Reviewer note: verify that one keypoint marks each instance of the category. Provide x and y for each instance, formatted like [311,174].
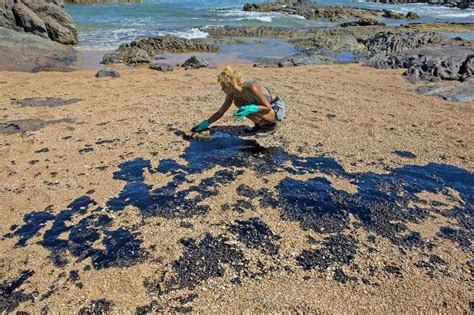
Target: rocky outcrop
[461,92]
[43,18]
[362,22]
[426,56]
[142,50]
[34,36]
[412,16]
[389,14]
[308,57]
[310,11]
[386,44]
[461,4]
[21,51]
[253,31]
[195,63]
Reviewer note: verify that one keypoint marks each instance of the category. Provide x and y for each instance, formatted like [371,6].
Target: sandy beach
[363,120]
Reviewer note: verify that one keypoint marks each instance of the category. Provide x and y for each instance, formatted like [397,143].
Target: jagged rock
[461,4]
[195,63]
[412,15]
[309,57]
[28,20]
[41,17]
[253,31]
[363,22]
[113,57]
[310,10]
[385,44]
[107,73]
[389,14]
[426,56]
[21,51]
[134,55]
[141,50]
[163,67]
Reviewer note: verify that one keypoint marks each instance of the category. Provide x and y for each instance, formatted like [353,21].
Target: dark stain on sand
[23,125]
[11,294]
[45,102]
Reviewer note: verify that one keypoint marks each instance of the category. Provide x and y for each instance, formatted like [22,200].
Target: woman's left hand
[245,111]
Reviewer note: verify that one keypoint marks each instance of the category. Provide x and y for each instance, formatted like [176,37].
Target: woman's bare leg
[257,118]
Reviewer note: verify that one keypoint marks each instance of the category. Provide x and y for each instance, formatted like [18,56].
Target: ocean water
[104,26]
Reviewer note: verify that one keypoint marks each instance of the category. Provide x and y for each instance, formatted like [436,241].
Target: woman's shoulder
[252,85]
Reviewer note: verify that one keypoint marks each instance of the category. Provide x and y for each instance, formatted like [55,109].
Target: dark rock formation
[308,57]
[27,52]
[141,50]
[362,22]
[195,63]
[461,92]
[386,44]
[427,56]
[107,73]
[43,18]
[253,31]
[389,14]
[310,10]
[412,15]
[461,4]
[48,25]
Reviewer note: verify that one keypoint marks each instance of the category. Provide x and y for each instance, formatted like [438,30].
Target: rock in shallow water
[141,50]
[195,63]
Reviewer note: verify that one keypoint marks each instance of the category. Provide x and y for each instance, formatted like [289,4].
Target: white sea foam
[188,34]
[459,14]
[267,17]
[111,40]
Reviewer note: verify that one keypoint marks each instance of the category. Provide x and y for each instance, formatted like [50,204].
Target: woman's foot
[254,129]
[266,129]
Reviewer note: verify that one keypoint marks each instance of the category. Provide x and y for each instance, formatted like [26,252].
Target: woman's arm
[264,105]
[217,115]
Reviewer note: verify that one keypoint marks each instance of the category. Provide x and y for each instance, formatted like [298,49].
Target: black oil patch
[11,296]
[383,203]
[254,233]
[45,102]
[404,154]
[96,307]
[394,270]
[167,201]
[121,247]
[337,250]
[204,260]
[433,266]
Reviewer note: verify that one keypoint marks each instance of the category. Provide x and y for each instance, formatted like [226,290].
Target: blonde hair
[230,77]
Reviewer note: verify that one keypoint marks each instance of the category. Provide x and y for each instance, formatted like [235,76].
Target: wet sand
[361,201]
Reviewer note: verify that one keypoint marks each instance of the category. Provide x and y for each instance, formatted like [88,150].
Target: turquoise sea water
[106,25]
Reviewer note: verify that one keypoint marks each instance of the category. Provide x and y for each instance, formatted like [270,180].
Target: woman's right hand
[202,125]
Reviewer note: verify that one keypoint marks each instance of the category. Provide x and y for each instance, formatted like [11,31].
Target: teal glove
[203,125]
[244,111]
